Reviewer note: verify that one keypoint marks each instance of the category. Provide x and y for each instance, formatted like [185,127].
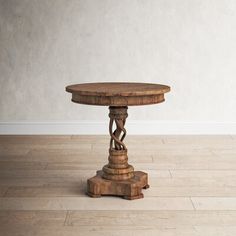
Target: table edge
[165,89]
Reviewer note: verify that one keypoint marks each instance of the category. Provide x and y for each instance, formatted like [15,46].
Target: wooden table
[118,177]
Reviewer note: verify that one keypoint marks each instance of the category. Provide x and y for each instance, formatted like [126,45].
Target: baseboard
[133,127]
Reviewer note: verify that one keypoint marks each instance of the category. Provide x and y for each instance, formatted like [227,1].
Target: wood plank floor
[43,181]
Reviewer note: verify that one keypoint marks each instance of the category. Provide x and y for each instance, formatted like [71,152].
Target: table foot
[129,189]
[146,187]
[93,195]
[134,197]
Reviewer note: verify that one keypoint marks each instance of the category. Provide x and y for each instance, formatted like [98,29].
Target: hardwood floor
[192,179]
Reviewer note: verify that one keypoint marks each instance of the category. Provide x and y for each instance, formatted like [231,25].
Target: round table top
[117,93]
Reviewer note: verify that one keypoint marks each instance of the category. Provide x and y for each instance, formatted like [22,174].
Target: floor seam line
[193,204]
[66,218]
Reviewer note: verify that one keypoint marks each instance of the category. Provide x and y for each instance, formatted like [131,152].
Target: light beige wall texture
[48,44]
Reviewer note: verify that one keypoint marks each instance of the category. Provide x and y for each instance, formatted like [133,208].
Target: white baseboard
[133,127]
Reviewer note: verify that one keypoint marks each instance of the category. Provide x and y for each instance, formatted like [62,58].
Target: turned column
[118,167]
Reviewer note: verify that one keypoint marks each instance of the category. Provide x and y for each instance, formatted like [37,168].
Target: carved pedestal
[118,177]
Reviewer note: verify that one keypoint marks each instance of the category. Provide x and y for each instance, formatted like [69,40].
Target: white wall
[187,44]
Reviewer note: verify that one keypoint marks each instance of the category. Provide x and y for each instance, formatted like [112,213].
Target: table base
[129,189]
